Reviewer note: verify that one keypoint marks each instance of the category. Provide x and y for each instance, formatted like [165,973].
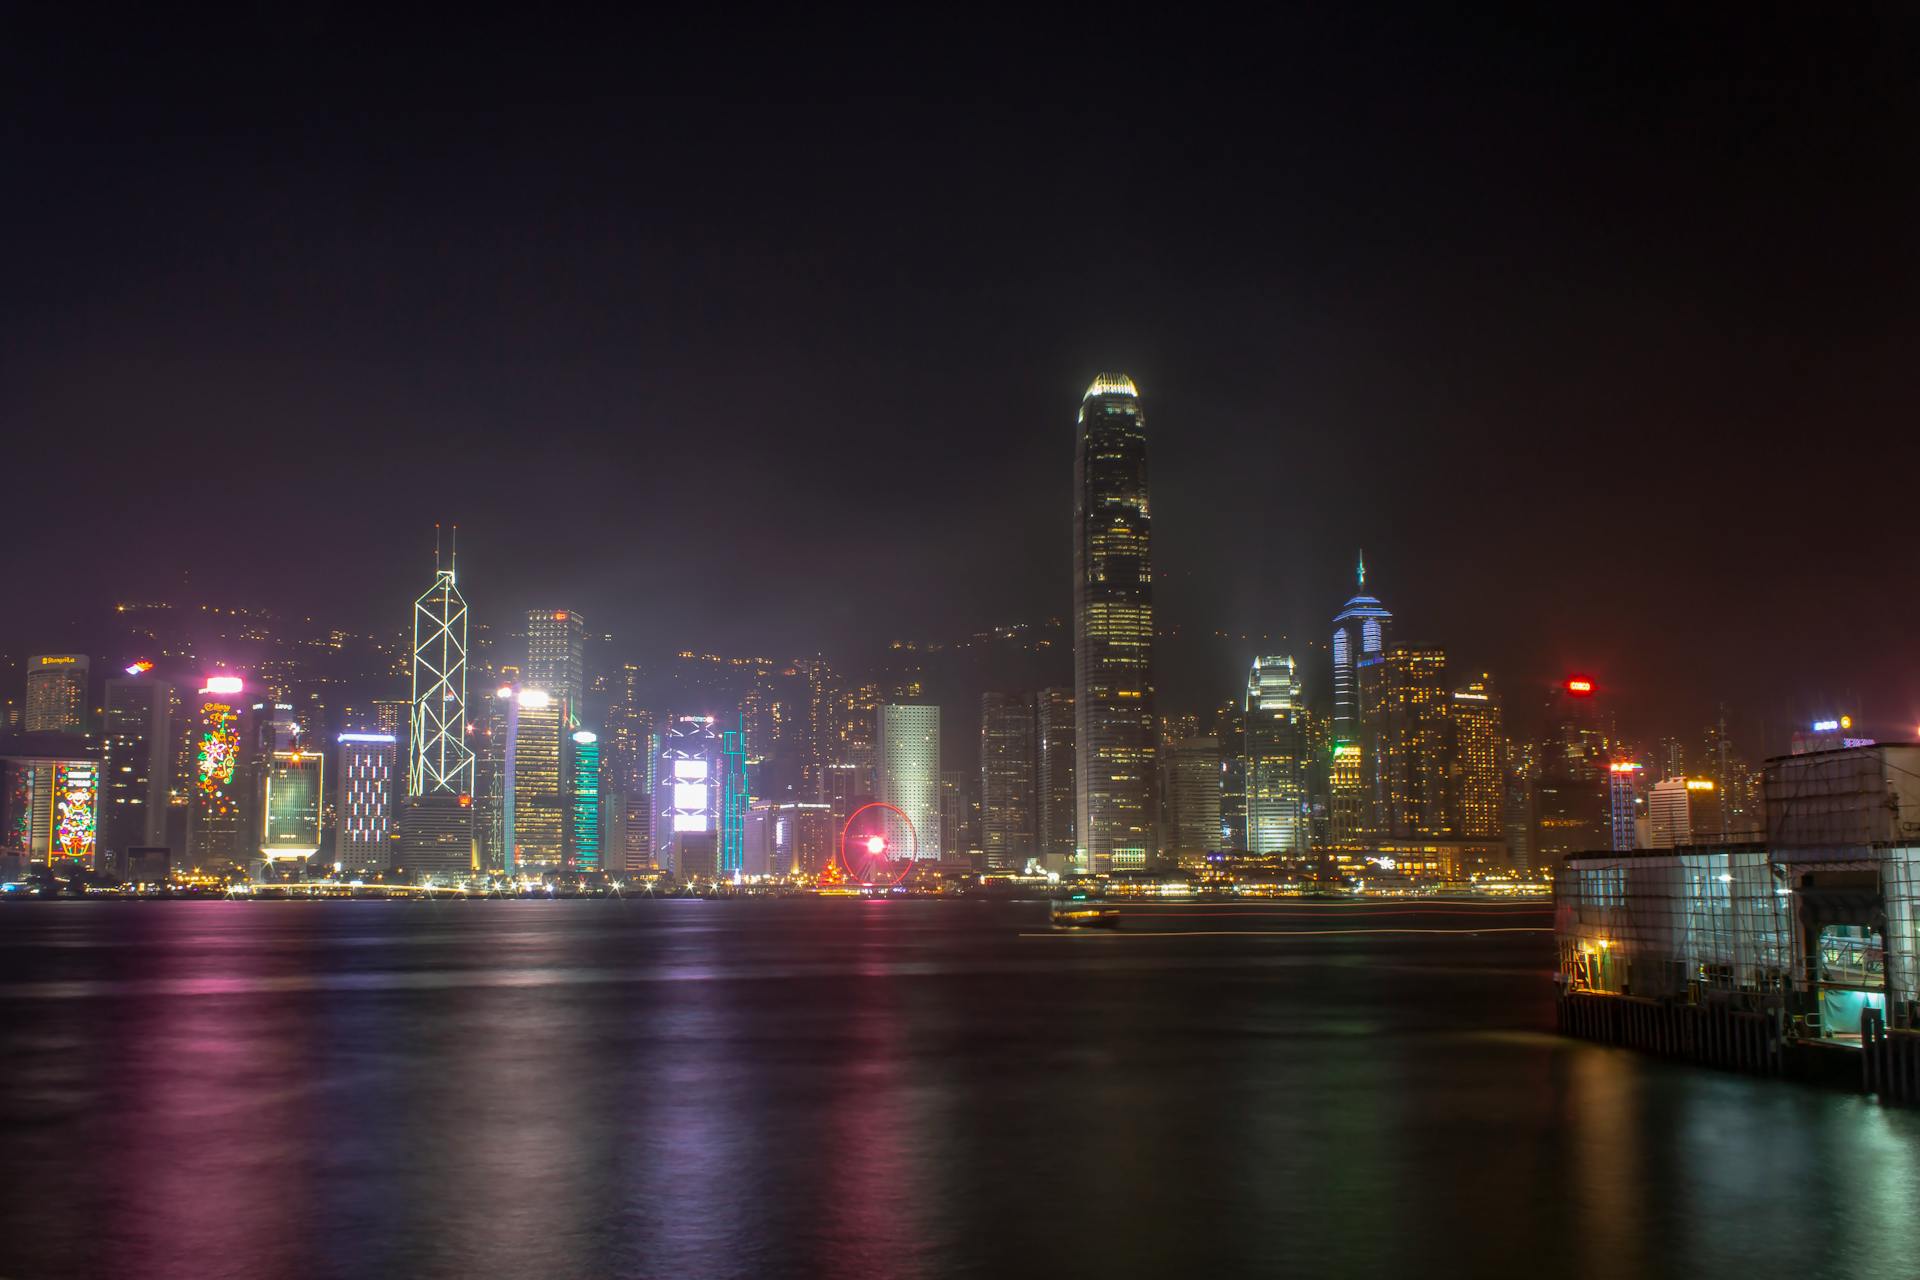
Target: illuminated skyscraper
[1347,797]
[441,760]
[1359,631]
[1410,732]
[909,776]
[1624,779]
[556,642]
[1007,777]
[363,809]
[1276,763]
[1683,811]
[57,693]
[139,733]
[1115,730]
[1478,765]
[535,810]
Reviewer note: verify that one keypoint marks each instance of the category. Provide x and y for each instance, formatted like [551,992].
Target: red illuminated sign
[1580,686]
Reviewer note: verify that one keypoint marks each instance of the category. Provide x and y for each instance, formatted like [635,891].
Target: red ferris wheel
[878,845]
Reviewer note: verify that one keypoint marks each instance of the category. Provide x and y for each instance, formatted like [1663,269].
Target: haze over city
[752,358]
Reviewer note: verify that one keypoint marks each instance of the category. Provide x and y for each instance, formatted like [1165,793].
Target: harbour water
[899,1088]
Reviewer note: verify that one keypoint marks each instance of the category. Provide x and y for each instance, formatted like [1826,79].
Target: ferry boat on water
[1085,913]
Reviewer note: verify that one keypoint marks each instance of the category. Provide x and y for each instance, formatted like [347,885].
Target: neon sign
[219,747]
[1580,686]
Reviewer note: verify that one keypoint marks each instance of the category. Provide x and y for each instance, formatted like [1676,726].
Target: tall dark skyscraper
[1053,763]
[1115,777]
[1007,778]
[141,712]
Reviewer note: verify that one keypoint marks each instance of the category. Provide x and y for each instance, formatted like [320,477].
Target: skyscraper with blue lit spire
[1359,634]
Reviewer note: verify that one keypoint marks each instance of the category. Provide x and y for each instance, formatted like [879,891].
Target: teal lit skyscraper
[1115,731]
[733,803]
[583,809]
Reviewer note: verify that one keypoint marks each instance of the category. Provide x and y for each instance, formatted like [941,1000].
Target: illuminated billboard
[76,806]
[689,755]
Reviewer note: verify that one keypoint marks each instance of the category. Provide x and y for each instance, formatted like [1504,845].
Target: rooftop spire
[1361,571]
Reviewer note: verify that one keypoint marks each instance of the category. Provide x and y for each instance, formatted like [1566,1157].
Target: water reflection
[897,1089]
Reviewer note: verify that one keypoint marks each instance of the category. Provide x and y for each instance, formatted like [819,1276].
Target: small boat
[1084,914]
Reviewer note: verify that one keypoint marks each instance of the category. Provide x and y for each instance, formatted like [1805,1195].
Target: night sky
[1598,334]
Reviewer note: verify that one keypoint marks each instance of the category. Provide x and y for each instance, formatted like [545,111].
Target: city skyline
[666,642]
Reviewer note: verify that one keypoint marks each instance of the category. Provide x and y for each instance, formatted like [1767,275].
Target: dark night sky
[1597,333]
